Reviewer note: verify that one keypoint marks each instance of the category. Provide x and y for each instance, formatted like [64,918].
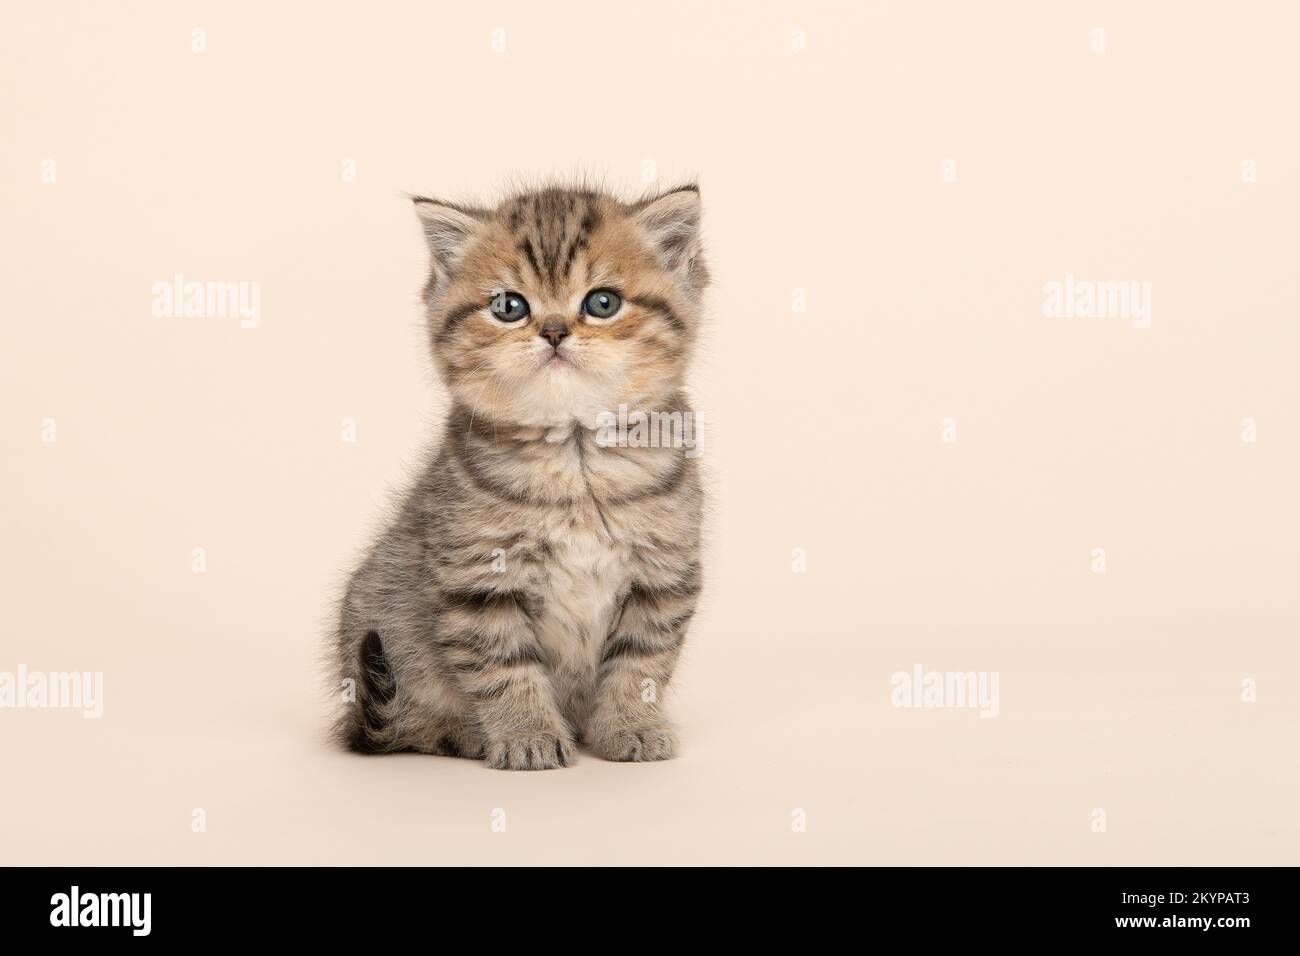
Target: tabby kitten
[535,586]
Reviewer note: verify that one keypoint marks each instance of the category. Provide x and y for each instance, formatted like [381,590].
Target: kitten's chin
[560,393]
[558,397]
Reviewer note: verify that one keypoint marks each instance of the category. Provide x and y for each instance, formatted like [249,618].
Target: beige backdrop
[915,173]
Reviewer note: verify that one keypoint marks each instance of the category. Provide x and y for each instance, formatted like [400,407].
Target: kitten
[535,587]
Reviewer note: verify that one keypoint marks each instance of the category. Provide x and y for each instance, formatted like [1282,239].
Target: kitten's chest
[582,581]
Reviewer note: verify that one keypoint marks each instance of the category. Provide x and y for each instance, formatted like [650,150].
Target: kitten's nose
[554,332]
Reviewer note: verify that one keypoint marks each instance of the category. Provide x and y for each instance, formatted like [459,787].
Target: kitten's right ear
[448,230]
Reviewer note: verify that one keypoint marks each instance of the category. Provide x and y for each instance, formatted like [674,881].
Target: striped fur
[535,587]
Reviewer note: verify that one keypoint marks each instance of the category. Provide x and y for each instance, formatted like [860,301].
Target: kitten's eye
[510,307]
[602,303]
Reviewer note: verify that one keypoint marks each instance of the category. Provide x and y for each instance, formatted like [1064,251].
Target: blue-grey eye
[510,307]
[602,303]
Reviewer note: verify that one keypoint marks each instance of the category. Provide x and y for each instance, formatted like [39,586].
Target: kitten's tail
[365,726]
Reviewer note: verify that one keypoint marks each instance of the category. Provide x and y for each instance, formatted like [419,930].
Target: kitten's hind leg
[448,736]
[395,710]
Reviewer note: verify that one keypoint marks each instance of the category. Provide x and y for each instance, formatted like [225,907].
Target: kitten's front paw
[657,742]
[531,752]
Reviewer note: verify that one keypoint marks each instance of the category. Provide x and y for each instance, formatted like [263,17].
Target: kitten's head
[561,304]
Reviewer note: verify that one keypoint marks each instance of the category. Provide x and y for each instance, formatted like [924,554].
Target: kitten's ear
[447,229]
[673,224]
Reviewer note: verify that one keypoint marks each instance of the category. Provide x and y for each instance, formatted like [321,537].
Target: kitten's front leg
[636,665]
[489,651]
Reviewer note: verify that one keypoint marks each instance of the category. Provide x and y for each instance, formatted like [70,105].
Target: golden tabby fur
[536,585]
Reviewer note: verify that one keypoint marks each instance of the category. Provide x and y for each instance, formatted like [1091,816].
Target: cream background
[819,171]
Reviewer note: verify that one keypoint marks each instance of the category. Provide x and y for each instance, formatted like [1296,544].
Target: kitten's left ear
[673,224]
[447,229]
